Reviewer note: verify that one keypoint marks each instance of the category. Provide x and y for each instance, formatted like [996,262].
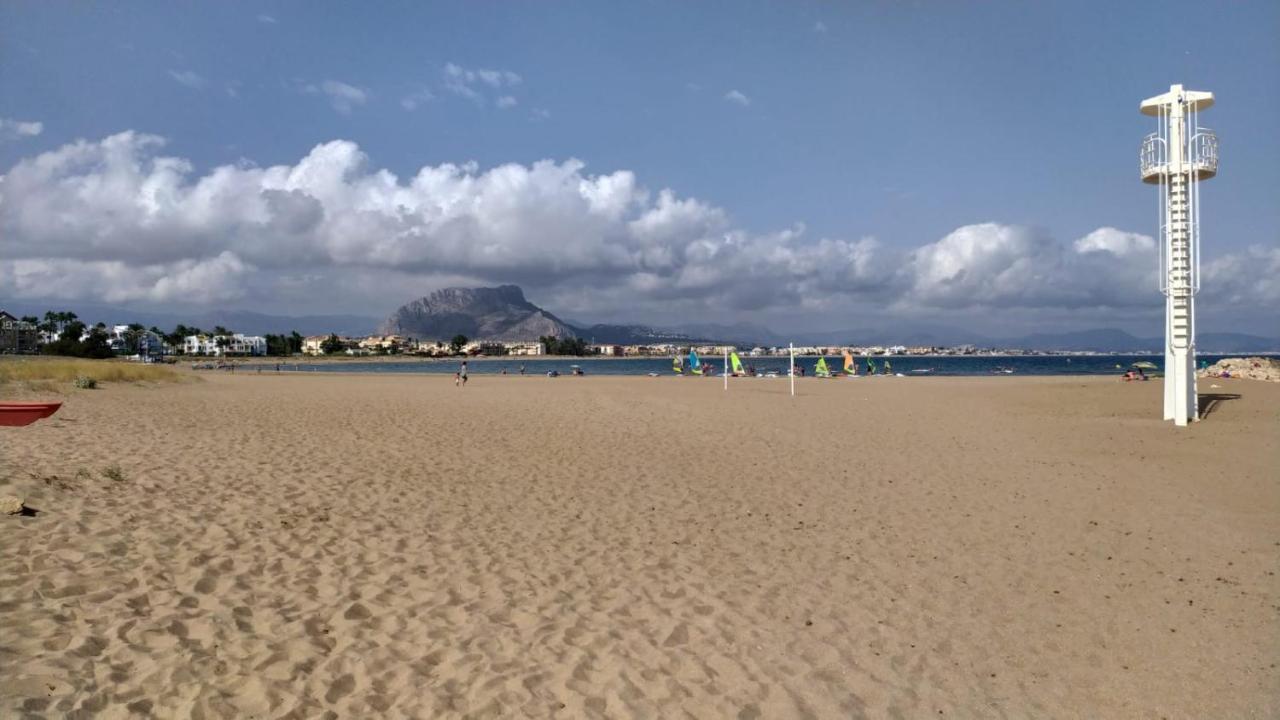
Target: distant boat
[695,365]
[1002,371]
[821,369]
[923,370]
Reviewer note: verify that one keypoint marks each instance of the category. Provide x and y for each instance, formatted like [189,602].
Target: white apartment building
[236,344]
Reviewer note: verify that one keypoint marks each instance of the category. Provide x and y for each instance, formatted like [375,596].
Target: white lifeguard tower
[1177,157]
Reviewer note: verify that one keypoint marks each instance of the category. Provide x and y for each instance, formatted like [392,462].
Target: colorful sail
[821,369]
[677,366]
[737,364]
[871,366]
[849,367]
[695,365]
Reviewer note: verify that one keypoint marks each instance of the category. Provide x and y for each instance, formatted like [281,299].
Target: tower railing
[1153,155]
[1202,153]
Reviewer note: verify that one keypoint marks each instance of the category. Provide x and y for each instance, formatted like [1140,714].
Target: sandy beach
[311,545]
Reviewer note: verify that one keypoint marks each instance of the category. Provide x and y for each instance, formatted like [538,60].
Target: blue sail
[695,365]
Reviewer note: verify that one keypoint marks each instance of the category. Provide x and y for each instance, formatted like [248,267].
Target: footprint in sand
[357,612]
[340,688]
[207,584]
[679,636]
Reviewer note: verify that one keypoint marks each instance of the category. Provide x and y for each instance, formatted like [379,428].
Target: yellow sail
[849,367]
[737,364]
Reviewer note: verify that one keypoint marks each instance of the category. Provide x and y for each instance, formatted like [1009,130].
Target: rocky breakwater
[1251,368]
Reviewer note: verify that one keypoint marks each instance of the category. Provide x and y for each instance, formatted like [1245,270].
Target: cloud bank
[118,220]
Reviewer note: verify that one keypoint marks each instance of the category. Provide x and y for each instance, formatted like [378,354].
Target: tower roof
[1194,100]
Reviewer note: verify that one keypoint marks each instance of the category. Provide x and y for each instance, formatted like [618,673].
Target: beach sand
[360,546]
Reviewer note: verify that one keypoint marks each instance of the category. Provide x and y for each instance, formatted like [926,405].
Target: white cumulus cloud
[19,129]
[118,219]
[737,97]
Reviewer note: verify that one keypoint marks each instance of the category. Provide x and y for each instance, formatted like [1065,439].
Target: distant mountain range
[503,313]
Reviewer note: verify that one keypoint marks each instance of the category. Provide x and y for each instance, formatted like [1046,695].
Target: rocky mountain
[497,313]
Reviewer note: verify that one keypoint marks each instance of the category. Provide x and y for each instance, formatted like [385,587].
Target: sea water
[908,365]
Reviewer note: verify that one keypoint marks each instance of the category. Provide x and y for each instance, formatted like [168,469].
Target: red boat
[15,414]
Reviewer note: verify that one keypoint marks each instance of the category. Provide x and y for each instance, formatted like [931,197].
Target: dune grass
[41,370]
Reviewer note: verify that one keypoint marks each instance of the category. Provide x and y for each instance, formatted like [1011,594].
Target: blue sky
[882,129]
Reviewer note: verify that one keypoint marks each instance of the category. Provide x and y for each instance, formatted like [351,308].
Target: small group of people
[1135,374]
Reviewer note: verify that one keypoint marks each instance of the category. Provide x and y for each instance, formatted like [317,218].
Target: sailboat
[821,369]
[850,368]
[677,366]
[695,365]
[736,364]
[871,366]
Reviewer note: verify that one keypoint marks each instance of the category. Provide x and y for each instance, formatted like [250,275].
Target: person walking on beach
[462,373]
[522,369]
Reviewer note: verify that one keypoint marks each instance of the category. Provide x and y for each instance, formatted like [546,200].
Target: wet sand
[365,546]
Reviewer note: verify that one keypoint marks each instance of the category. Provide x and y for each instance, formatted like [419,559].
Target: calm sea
[913,366]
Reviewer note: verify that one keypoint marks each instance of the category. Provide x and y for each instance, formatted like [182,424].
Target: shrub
[84,382]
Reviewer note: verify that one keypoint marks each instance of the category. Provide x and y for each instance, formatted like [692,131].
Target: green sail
[737,364]
[821,370]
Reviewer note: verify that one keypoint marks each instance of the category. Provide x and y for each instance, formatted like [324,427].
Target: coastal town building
[382,343]
[524,348]
[311,344]
[220,345]
[143,343]
[17,336]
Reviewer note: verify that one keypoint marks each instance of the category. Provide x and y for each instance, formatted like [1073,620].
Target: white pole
[793,369]
[726,368]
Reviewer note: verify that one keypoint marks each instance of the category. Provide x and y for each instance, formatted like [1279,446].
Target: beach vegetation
[284,345]
[65,371]
[113,473]
[332,344]
[75,340]
[553,345]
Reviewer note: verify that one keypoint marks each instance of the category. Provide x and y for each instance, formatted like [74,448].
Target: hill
[498,313]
